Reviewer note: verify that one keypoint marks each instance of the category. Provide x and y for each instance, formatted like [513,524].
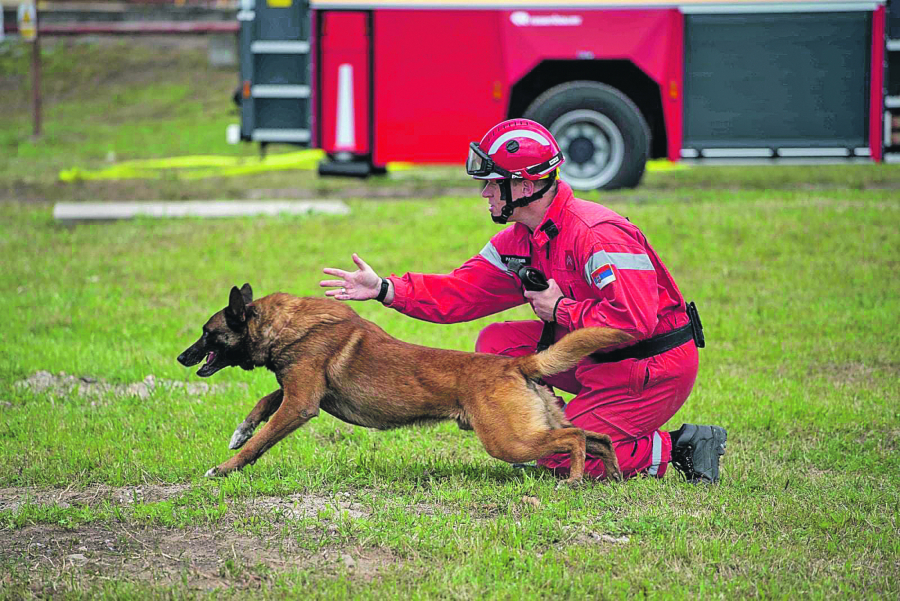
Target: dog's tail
[566,353]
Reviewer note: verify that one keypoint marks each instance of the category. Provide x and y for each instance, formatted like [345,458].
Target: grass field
[101,493]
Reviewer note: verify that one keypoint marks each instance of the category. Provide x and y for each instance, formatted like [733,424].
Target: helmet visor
[479,165]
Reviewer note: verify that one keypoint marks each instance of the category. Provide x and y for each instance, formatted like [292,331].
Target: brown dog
[327,357]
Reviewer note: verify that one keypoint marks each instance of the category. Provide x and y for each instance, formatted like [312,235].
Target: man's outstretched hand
[362,284]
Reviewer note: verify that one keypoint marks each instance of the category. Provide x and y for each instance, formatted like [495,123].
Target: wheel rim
[593,147]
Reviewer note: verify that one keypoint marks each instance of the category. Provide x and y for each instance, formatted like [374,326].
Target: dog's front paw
[212,473]
[241,435]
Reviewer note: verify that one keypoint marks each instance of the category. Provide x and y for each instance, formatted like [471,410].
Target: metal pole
[36,84]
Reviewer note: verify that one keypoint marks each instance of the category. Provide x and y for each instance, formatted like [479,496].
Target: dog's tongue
[210,357]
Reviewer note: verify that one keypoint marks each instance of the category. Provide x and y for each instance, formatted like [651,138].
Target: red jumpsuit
[611,277]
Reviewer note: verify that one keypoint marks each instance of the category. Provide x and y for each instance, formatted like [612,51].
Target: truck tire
[602,133]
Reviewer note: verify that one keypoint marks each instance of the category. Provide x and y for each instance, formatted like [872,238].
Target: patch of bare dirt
[597,538]
[852,372]
[294,507]
[300,506]
[64,385]
[201,558]
[13,498]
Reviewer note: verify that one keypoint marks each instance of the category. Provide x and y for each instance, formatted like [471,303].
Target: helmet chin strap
[511,205]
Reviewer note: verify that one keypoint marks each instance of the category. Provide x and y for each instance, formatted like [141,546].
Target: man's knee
[492,339]
[510,338]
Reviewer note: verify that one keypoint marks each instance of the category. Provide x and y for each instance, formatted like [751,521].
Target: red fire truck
[617,83]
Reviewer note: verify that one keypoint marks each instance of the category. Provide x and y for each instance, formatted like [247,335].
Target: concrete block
[108,211]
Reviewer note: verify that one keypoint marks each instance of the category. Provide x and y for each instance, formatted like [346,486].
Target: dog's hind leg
[536,444]
[260,413]
[600,445]
[564,440]
[302,394]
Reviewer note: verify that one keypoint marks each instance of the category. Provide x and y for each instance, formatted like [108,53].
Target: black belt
[657,345]
[651,346]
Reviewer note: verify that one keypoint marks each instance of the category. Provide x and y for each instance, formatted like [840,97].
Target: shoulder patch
[600,269]
[603,276]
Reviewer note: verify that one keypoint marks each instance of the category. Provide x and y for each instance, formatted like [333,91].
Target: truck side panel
[649,38]
[433,68]
[438,83]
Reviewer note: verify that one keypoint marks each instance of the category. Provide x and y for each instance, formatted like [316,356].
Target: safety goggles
[480,165]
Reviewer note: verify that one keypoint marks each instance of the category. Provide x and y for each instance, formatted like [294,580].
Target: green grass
[798,299]
[794,271]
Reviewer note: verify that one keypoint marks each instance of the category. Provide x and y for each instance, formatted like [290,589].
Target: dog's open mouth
[210,367]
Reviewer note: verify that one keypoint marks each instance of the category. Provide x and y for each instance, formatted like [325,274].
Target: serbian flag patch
[603,275]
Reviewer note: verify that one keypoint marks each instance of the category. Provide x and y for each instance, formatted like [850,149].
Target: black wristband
[556,306]
[384,290]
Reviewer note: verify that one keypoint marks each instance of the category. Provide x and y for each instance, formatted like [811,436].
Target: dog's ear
[237,307]
[247,293]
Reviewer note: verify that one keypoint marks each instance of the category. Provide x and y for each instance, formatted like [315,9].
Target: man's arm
[481,286]
[624,284]
[476,289]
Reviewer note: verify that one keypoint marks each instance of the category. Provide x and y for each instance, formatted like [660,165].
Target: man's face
[491,192]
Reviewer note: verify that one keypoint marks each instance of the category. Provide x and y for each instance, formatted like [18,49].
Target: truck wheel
[604,137]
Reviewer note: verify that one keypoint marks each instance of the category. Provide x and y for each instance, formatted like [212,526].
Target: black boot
[696,451]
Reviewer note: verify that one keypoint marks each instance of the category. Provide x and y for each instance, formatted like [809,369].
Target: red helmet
[514,149]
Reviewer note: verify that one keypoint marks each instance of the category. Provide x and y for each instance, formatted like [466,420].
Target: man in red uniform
[602,272]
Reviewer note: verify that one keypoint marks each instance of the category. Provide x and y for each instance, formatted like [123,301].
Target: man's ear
[527,187]
[247,293]
[236,305]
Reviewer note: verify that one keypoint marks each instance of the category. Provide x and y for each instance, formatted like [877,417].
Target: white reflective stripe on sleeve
[490,253]
[657,454]
[638,262]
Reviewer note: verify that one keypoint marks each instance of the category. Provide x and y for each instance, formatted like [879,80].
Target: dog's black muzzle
[215,358]
[194,354]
